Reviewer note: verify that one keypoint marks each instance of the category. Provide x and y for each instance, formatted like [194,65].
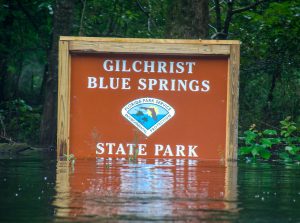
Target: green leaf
[290,149]
[283,122]
[282,132]
[265,154]
[250,136]
[275,140]
[284,156]
[297,157]
[266,143]
[245,150]
[286,134]
[270,132]
[254,151]
[292,128]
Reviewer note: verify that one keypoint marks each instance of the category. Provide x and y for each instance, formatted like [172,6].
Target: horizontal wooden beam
[141,40]
[149,48]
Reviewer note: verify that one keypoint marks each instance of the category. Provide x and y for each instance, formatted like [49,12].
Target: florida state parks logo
[148,114]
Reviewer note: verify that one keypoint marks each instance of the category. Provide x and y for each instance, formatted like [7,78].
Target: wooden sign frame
[82,45]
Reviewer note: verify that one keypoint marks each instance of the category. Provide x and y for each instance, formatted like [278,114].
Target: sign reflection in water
[151,189]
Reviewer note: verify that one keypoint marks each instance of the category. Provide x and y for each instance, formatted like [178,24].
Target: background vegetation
[29,30]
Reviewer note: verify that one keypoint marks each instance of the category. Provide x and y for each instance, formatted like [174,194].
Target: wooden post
[64,87]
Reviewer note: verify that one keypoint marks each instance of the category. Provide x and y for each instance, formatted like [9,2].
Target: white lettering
[110,147]
[101,83]
[192,152]
[190,66]
[117,65]
[180,150]
[163,85]
[110,67]
[100,148]
[161,67]
[124,63]
[134,66]
[194,85]
[142,84]
[120,149]
[92,82]
[142,148]
[131,148]
[168,150]
[158,148]
[113,81]
[180,68]
[182,83]
[205,84]
[152,82]
[125,83]
[147,65]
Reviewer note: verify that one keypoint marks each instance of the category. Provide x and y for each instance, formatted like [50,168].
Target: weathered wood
[151,48]
[231,190]
[64,87]
[140,40]
[232,103]
[63,200]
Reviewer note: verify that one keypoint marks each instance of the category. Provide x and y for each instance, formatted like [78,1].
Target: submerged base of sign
[148,114]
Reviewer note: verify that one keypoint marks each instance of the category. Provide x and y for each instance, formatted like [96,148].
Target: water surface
[37,188]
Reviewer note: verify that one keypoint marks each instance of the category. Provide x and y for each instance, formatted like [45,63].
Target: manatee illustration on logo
[148,114]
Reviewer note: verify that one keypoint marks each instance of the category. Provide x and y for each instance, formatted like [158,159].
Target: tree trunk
[3,70]
[188,19]
[62,24]
[6,41]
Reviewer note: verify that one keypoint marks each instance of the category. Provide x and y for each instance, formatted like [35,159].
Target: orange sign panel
[148,105]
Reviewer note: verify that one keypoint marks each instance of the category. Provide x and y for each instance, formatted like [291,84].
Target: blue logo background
[148,114]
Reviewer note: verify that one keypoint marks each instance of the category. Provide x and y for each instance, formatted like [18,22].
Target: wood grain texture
[63,116]
[232,103]
[141,40]
[231,185]
[62,188]
[149,48]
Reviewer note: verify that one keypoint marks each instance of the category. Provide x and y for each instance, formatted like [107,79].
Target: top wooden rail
[141,40]
[150,46]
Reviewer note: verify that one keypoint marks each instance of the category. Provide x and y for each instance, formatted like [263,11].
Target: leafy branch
[269,143]
[223,30]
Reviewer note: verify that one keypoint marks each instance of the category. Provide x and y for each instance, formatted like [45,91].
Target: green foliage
[116,18]
[20,121]
[71,159]
[25,28]
[269,143]
[270,76]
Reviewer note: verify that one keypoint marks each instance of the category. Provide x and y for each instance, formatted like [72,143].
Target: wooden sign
[147,98]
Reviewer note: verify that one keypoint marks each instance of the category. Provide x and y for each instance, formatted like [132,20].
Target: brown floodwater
[161,190]
[37,188]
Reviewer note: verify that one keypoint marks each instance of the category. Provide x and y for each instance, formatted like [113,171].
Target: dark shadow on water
[27,187]
[269,192]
